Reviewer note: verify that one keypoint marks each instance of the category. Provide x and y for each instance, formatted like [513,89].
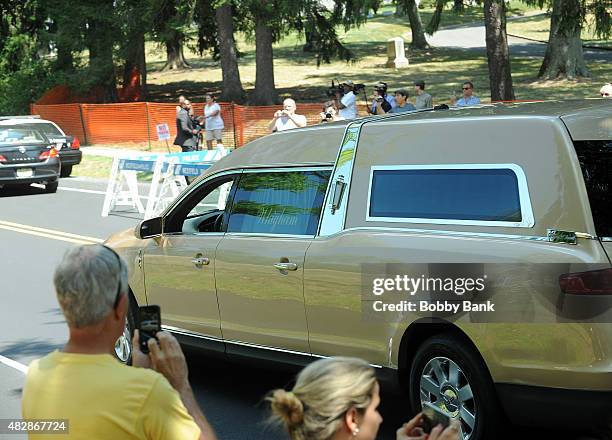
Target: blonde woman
[214,123]
[337,399]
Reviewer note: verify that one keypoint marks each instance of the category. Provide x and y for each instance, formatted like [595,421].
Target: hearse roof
[586,119]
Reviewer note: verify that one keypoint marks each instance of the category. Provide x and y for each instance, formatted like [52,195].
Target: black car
[27,156]
[67,146]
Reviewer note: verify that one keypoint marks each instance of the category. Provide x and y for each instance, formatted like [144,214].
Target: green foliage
[580,13]
[19,88]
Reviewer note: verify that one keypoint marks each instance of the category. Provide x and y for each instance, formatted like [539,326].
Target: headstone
[396,56]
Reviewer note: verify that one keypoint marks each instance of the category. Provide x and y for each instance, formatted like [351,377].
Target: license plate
[25,172]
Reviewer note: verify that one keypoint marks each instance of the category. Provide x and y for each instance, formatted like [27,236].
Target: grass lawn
[93,166]
[296,73]
[537,28]
[99,167]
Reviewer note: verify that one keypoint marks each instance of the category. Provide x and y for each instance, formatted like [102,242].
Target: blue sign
[189,157]
[190,169]
[146,166]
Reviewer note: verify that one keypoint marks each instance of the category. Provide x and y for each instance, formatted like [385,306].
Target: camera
[335,89]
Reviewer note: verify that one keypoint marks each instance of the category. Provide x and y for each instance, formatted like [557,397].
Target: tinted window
[595,159]
[278,203]
[456,194]
[20,136]
[47,128]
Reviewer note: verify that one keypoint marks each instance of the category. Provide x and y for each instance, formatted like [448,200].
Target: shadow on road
[28,347]
[20,190]
[232,396]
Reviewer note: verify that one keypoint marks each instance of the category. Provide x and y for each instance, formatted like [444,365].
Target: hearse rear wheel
[447,373]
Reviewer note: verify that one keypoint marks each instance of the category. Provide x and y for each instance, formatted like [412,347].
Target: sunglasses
[118,294]
[605,94]
[466,88]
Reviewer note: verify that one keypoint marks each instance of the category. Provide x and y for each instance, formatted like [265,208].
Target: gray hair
[86,283]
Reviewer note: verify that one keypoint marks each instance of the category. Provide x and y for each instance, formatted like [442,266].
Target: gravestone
[396,56]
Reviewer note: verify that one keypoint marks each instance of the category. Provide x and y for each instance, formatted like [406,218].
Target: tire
[51,187]
[451,393]
[123,346]
[66,170]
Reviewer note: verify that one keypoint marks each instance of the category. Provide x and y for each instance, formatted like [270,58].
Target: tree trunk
[416,26]
[564,57]
[135,57]
[65,60]
[500,74]
[232,86]
[174,50]
[265,90]
[101,65]
[459,7]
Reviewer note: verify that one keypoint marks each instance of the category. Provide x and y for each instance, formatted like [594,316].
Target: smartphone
[434,416]
[149,323]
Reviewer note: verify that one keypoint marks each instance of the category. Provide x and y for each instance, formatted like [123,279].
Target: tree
[265,88]
[100,37]
[458,6]
[170,21]
[136,21]
[564,56]
[416,26]
[498,58]
[271,19]
[232,86]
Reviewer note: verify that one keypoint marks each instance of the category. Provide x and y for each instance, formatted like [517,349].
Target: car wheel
[447,373]
[66,170]
[123,346]
[51,187]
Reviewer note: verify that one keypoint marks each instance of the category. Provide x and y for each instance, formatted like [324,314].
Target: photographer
[381,106]
[348,104]
[287,119]
[329,113]
[380,89]
[84,383]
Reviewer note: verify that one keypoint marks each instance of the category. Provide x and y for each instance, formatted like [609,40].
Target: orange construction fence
[137,122]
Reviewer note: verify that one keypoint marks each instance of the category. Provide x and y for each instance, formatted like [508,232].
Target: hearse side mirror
[148,228]
[338,191]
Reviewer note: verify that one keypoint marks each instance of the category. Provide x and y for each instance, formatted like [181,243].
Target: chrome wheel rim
[445,385]
[123,346]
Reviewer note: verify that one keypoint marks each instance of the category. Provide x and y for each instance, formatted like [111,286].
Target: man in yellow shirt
[84,384]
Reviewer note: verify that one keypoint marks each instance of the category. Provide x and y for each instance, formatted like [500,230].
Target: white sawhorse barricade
[169,171]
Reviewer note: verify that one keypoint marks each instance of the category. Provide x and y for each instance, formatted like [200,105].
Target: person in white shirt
[287,119]
[213,122]
[348,104]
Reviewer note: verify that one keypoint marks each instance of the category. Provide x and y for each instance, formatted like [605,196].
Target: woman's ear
[351,421]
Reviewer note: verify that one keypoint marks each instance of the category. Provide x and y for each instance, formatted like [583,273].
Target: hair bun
[288,407]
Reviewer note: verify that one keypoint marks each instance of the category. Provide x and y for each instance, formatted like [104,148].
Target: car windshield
[13,136]
[46,127]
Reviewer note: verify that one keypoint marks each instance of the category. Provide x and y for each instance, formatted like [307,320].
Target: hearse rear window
[595,159]
[449,195]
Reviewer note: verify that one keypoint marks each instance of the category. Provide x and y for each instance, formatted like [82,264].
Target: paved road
[472,37]
[32,324]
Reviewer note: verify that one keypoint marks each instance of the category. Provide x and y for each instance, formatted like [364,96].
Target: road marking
[14,364]
[49,233]
[88,191]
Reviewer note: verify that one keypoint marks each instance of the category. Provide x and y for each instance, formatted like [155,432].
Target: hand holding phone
[434,416]
[149,323]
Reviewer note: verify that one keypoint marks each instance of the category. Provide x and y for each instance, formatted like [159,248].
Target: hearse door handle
[286,266]
[200,261]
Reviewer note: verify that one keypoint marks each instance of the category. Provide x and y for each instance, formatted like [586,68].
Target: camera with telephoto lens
[335,89]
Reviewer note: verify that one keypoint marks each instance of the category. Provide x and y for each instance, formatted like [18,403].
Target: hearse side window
[595,159]
[423,195]
[287,202]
